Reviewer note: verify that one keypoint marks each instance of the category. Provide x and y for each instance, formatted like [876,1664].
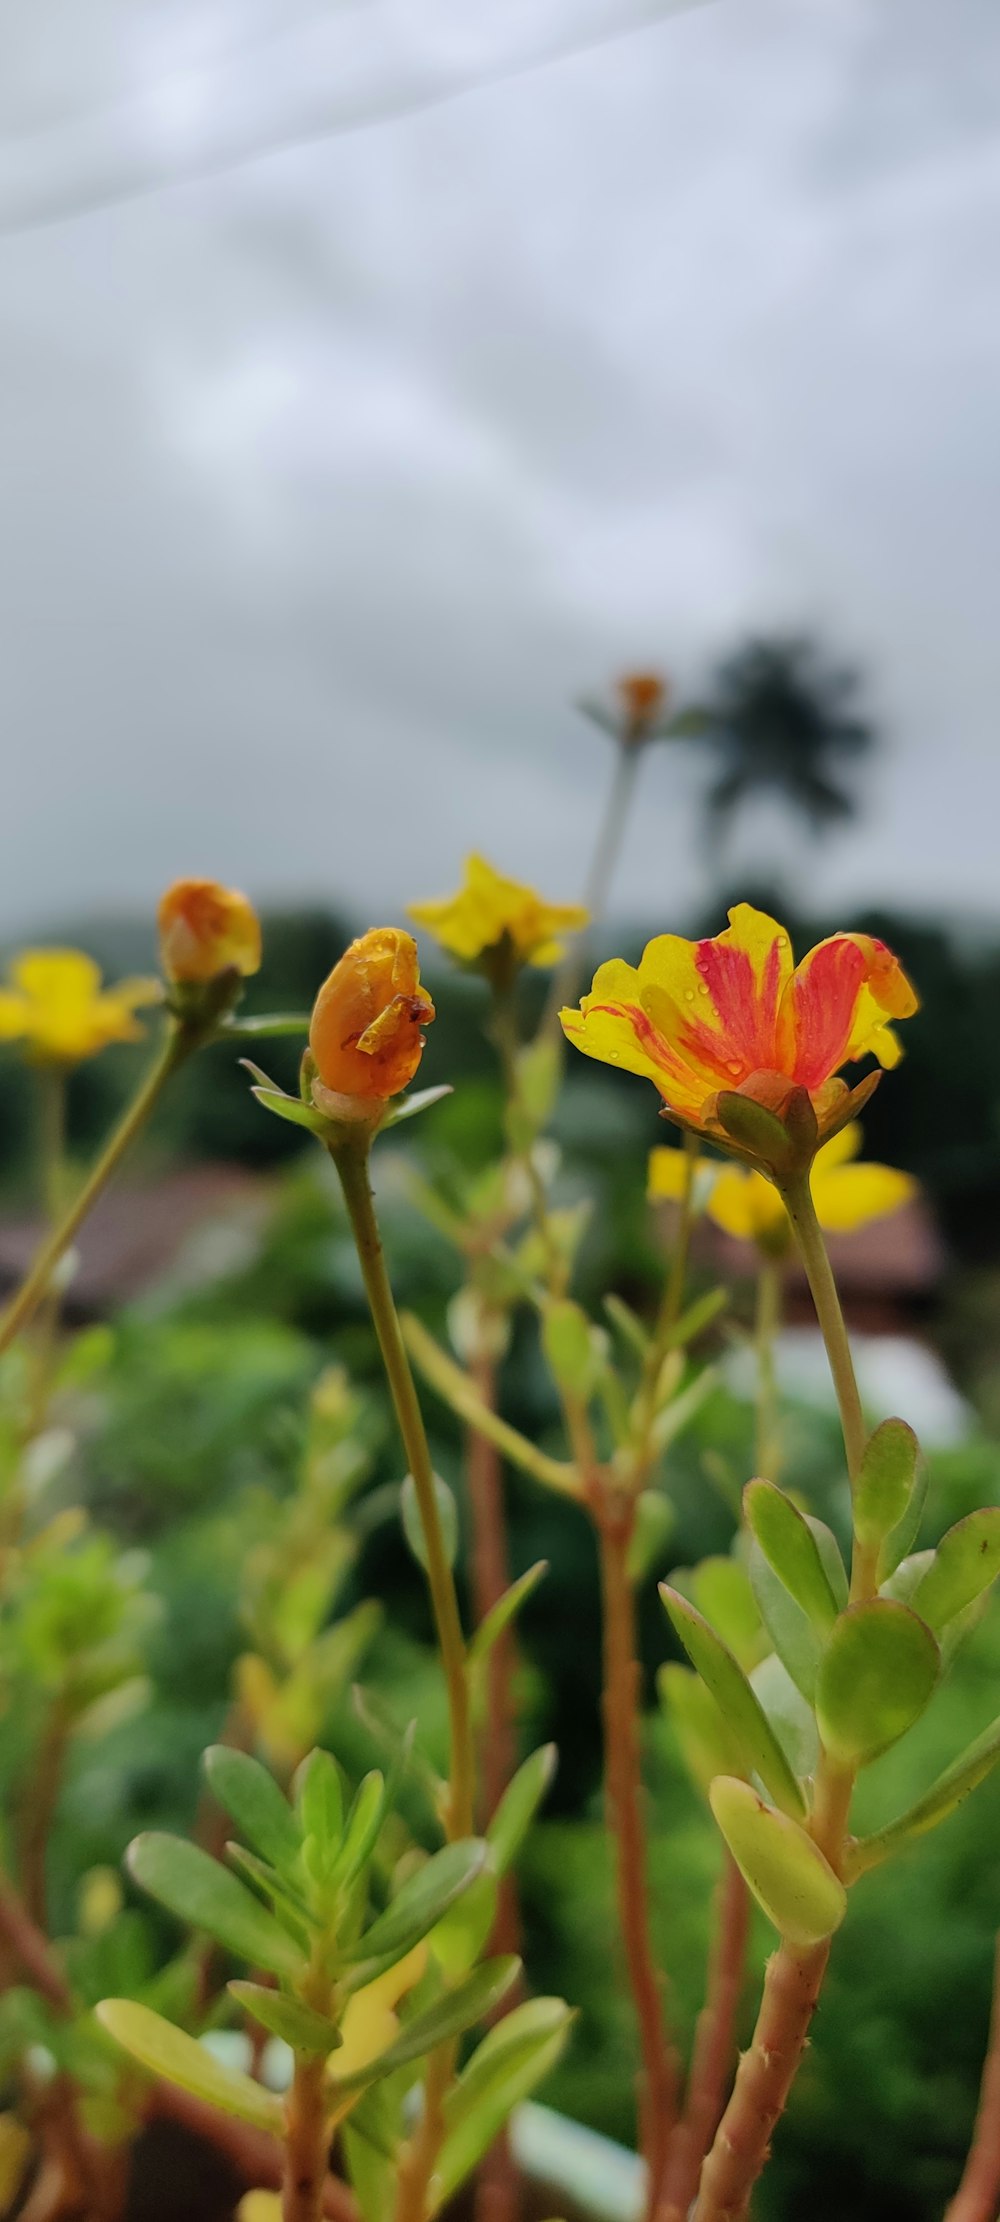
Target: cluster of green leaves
[369,1989]
[784,1664]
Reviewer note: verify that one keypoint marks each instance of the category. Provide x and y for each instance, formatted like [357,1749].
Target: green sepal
[180,2059]
[456,2011]
[205,1896]
[885,1481]
[762,1752]
[253,1800]
[410,1107]
[518,1806]
[286,2017]
[791,1550]
[876,1676]
[944,1796]
[787,1873]
[966,1563]
[284,1106]
[756,1132]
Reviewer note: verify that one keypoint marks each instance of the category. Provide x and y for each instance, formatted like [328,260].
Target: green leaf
[572,1349]
[966,1562]
[655,1521]
[170,2052]
[628,1323]
[697,1317]
[503,1612]
[762,1753]
[964,1775]
[829,1551]
[457,1940]
[458,2010]
[285,2017]
[706,1745]
[899,1543]
[368,1810]
[201,1893]
[409,1107]
[791,1551]
[791,1718]
[885,1481]
[518,1806]
[421,1902]
[319,1799]
[720,1587]
[785,1870]
[792,1634]
[413,1526]
[253,1800]
[876,1676]
[505,2068]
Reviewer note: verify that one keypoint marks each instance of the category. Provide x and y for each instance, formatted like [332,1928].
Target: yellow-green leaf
[785,1870]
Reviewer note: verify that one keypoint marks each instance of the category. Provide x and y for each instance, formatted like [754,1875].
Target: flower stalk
[350,1153]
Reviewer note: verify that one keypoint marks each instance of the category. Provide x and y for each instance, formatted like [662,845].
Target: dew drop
[689,995]
[733,1065]
[703,987]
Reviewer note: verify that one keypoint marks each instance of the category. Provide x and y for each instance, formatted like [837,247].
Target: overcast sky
[377,378]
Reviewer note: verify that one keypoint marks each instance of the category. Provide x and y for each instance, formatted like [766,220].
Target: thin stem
[42,1795]
[666,1320]
[767,1323]
[819,1272]
[178,1043]
[597,885]
[714,2045]
[620,1703]
[307,2139]
[52,1142]
[351,1160]
[490,1578]
[417,2165]
[978,2196]
[763,2080]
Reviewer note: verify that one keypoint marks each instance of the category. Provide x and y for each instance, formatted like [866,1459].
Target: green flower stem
[350,1157]
[802,1213]
[52,1146]
[767,1322]
[178,1043]
[611,828]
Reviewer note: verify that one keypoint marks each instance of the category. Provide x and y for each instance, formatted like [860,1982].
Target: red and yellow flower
[711,1020]
[366,1032]
[206,929]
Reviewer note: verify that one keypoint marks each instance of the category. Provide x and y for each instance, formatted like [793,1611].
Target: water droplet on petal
[703,987]
[689,995]
[733,1065]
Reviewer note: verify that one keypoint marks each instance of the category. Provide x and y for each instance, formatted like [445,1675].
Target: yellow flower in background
[259,2206]
[365,1033]
[56,1007]
[846,1195]
[370,2023]
[489,909]
[206,929]
[735,1015]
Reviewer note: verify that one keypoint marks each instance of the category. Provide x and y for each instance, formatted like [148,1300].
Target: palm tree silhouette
[781,718]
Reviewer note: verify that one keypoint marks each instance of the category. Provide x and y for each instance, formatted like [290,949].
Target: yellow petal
[259,2206]
[668,1174]
[839,1149]
[850,1196]
[487,907]
[745,1204]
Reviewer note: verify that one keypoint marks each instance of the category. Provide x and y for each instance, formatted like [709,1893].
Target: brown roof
[136,1232]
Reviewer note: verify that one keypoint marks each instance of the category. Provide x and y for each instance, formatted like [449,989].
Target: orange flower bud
[365,1034]
[206,929]
[644,696]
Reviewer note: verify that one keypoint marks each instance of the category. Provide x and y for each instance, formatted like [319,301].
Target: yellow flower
[366,1025]
[370,2023]
[489,909]
[206,929]
[735,1016]
[57,1007]
[747,1205]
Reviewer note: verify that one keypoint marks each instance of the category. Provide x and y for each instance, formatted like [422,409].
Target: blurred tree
[782,718]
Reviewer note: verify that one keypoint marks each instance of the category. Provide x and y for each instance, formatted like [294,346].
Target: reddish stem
[763,2081]
[978,2196]
[660,2075]
[714,2045]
